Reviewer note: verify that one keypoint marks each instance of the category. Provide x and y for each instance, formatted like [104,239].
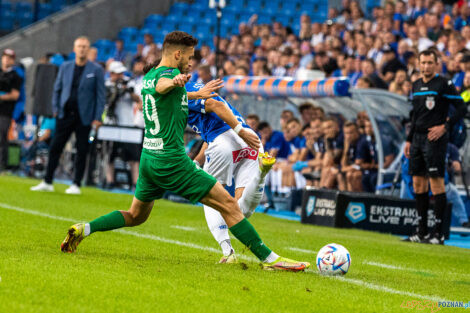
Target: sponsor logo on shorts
[245,153]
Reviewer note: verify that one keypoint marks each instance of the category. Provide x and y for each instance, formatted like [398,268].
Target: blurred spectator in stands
[229,68]
[399,17]
[273,140]
[120,111]
[252,120]
[120,54]
[361,118]
[78,102]
[466,88]
[396,86]
[306,52]
[10,85]
[464,17]
[241,70]
[307,112]
[369,71]
[364,83]
[148,41]
[333,151]
[93,54]
[204,74]
[317,35]
[259,66]
[311,156]
[138,55]
[137,83]
[367,158]
[463,66]
[286,115]
[351,171]
[415,41]
[390,65]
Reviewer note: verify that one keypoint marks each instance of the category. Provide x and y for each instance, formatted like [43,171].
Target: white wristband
[238,128]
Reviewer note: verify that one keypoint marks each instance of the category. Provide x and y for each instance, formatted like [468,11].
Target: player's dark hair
[305,106]
[179,38]
[428,52]
[262,125]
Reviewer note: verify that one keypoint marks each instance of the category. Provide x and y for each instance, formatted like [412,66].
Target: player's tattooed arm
[165,85]
[208,91]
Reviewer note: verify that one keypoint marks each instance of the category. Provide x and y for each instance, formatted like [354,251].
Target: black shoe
[415,238]
[435,239]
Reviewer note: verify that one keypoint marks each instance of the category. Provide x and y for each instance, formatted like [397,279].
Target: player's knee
[136,218]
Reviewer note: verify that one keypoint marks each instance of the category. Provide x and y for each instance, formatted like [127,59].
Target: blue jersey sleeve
[197,106]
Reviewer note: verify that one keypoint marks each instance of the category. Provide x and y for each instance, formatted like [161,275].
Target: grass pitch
[169,264]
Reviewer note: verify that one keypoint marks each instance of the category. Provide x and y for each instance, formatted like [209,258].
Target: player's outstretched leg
[219,230]
[136,215]
[253,191]
[220,199]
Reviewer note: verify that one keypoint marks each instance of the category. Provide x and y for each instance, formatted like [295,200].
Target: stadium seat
[45,9]
[22,7]
[6,6]
[154,20]
[24,18]
[129,34]
[7,21]
[179,9]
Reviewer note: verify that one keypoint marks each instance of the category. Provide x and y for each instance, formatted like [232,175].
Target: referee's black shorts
[428,158]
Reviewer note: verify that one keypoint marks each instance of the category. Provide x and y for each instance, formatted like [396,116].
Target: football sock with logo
[252,195]
[246,233]
[440,206]
[422,206]
[106,222]
[219,229]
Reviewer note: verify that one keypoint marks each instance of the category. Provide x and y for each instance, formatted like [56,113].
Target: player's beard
[183,67]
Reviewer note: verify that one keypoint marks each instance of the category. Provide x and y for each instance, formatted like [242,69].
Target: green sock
[109,221]
[246,233]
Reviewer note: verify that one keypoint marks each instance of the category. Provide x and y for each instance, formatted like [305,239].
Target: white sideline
[303,250]
[210,249]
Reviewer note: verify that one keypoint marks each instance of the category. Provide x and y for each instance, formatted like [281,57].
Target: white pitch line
[210,249]
[185,228]
[302,250]
[387,289]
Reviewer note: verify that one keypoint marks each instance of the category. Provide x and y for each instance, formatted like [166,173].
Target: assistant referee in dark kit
[426,144]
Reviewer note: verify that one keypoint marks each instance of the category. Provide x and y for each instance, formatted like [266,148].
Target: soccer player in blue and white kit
[231,151]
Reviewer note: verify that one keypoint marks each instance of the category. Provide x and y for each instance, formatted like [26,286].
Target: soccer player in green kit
[164,164]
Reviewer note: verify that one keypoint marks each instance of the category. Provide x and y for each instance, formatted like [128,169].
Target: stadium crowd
[376,51]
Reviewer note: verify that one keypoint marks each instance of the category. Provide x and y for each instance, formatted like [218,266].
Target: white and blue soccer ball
[333,259]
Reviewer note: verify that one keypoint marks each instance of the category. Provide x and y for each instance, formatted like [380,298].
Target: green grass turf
[120,272]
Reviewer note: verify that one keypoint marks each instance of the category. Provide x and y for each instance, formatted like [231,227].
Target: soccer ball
[333,259]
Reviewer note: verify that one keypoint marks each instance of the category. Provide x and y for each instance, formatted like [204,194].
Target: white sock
[86,232]
[252,195]
[271,257]
[218,228]
[226,246]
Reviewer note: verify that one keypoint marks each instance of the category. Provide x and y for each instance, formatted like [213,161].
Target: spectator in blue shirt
[120,54]
[273,141]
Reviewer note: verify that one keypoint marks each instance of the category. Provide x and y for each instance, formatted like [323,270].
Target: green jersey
[165,115]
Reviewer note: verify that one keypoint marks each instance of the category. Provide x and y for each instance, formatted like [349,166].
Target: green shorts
[176,174]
